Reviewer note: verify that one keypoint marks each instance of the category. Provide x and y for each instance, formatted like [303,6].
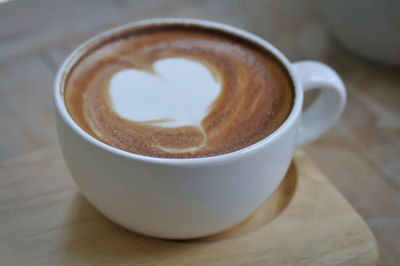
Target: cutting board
[46,221]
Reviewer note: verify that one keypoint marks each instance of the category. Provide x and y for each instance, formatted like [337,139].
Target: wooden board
[45,221]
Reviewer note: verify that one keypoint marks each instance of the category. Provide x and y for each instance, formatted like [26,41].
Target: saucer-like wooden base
[45,221]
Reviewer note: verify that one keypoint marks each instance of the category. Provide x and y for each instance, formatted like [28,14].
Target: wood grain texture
[33,25]
[45,221]
[360,154]
[27,120]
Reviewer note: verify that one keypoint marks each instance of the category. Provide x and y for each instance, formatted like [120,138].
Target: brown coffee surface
[256,97]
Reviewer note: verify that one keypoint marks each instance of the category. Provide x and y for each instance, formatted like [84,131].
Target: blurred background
[359,39]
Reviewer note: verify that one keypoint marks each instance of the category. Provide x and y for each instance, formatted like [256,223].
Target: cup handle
[329,105]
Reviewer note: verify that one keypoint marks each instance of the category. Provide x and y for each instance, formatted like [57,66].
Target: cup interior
[97,40]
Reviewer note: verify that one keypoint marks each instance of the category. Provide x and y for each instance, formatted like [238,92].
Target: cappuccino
[178,91]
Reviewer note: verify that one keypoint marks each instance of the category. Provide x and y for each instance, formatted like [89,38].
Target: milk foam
[178,93]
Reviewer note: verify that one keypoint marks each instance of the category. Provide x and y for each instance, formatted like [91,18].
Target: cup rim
[74,56]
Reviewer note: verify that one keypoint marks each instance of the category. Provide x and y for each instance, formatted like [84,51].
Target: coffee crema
[178,91]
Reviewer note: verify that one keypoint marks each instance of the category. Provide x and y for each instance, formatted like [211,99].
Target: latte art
[178,92]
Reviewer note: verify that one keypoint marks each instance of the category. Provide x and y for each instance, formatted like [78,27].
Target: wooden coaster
[45,221]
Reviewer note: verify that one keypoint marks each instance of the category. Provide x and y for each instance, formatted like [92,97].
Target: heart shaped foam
[178,94]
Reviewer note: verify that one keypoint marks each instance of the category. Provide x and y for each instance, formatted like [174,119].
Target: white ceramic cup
[188,198]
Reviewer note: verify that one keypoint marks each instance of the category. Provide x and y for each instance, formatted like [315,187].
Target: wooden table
[361,153]
[46,221]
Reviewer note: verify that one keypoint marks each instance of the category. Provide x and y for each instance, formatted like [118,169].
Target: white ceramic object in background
[369,28]
[188,198]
